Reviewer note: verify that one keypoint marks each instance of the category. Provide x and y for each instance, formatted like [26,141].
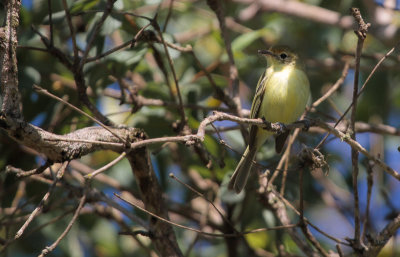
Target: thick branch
[87,140]
[8,61]
[59,148]
[160,232]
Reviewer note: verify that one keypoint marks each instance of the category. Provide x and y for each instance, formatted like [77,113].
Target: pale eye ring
[283,56]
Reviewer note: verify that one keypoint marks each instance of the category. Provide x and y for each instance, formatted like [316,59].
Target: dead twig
[361,33]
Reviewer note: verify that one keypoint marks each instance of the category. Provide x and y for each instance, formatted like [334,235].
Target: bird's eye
[283,56]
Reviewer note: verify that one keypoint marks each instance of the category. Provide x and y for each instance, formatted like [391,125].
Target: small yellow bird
[281,95]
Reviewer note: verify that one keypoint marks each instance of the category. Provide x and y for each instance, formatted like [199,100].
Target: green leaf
[244,40]
[110,25]
[127,57]
[57,18]
[211,145]
[83,5]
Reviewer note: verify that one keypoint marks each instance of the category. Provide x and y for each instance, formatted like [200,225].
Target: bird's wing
[255,107]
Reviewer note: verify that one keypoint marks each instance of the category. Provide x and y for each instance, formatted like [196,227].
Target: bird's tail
[242,172]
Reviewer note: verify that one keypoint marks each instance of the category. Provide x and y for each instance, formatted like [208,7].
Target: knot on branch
[359,248]
[362,29]
[147,36]
[313,158]
[136,135]
[277,127]
[191,140]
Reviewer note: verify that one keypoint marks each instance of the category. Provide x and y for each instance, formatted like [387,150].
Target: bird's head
[280,55]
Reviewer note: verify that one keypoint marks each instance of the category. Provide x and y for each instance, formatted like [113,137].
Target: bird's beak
[267,52]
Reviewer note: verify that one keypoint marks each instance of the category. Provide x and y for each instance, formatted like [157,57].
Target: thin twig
[217,116]
[130,42]
[47,223]
[78,76]
[370,183]
[362,88]
[33,48]
[218,8]
[301,209]
[144,101]
[106,167]
[47,93]
[98,57]
[56,52]
[361,127]
[240,234]
[20,173]
[361,33]
[339,250]
[286,154]
[96,30]
[218,92]
[131,14]
[334,87]
[50,248]
[171,66]
[51,21]
[100,197]
[171,4]
[355,145]
[302,223]
[287,203]
[171,175]
[269,197]
[39,208]
[72,31]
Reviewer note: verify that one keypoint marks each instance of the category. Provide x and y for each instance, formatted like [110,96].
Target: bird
[282,93]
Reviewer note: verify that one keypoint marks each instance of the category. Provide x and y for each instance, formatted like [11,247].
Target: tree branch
[270,200]
[59,148]
[302,10]
[161,233]
[11,100]
[361,33]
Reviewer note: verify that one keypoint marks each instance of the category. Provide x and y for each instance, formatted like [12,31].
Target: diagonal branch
[383,237]
[160,232]
[97,26]
[355,145]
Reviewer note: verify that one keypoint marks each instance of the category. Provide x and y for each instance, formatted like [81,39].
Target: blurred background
[134,86]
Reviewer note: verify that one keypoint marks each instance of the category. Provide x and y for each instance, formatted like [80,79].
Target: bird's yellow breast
[287,91]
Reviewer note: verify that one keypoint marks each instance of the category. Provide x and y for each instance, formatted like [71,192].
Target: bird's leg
[282,128]
[267,124]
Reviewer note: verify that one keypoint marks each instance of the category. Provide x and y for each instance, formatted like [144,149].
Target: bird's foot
[306,124]
[282,128]
[267,125]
